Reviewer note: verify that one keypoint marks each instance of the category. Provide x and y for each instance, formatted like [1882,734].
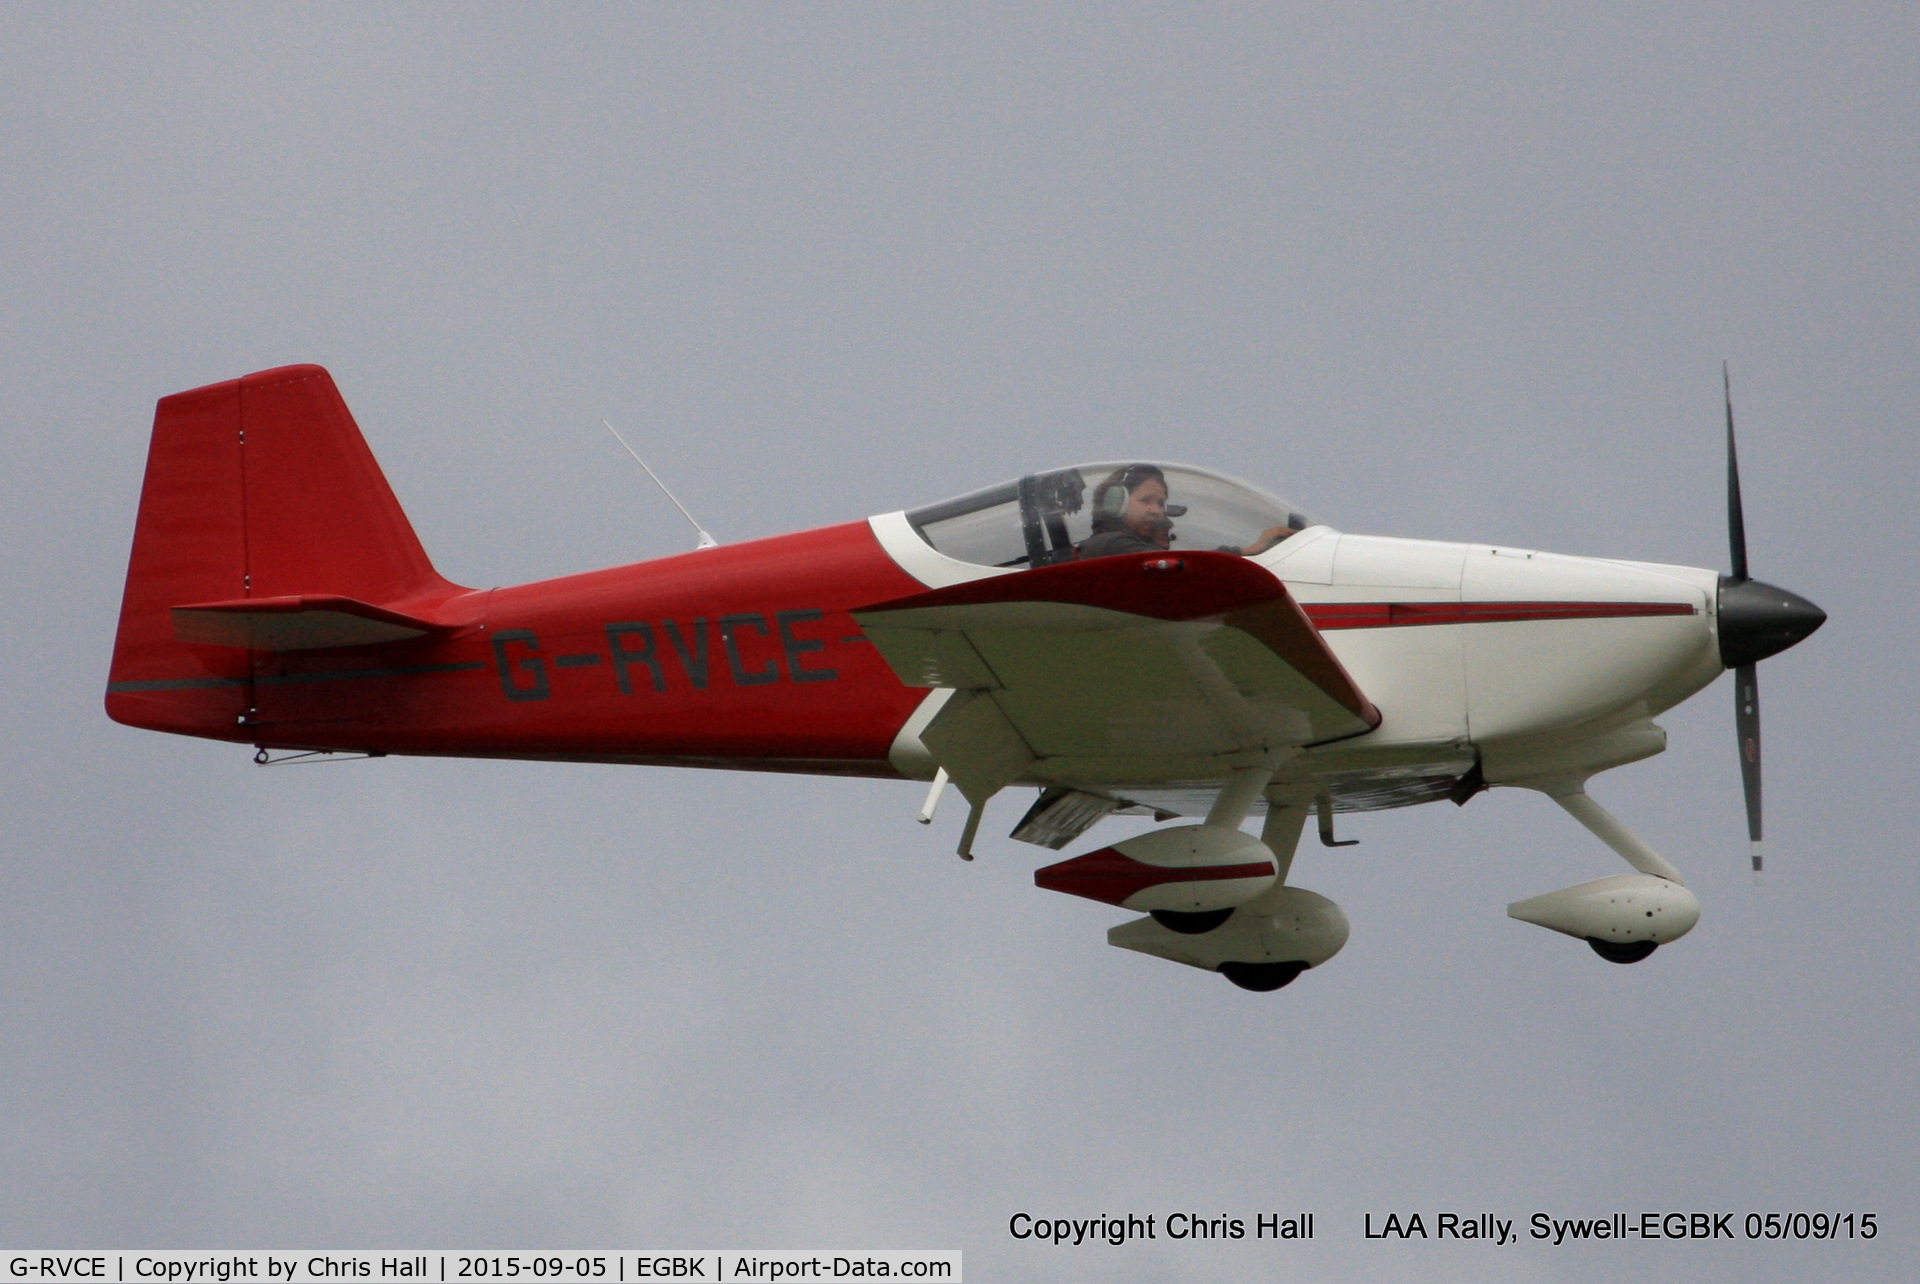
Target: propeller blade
[1746,721]
[1736,517]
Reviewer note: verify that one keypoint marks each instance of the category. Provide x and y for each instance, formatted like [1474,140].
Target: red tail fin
[259,487]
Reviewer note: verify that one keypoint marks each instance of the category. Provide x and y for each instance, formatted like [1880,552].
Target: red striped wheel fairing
[1112,876]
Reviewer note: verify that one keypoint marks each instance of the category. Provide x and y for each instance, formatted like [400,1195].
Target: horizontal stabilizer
[298,622]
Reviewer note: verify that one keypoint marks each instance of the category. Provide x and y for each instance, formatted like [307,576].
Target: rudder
[319,516]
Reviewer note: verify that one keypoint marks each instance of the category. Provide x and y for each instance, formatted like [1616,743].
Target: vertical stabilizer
[258,487]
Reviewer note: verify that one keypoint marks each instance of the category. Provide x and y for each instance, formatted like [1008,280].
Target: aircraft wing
[1144,668]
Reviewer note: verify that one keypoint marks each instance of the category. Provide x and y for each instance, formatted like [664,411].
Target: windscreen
[1098,509]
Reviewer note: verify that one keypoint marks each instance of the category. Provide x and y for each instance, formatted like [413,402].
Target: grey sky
[1462,271]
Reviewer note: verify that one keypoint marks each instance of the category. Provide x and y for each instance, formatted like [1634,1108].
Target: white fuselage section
[1545,652]
[1538,667]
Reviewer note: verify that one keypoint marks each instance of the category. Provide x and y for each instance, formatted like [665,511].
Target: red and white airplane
[1124,637]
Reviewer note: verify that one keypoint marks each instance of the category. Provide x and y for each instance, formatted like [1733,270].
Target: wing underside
[1125,673]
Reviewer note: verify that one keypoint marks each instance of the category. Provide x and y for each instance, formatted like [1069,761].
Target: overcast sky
[1459,271]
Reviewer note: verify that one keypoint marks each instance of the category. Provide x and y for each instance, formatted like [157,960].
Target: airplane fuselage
[746,656]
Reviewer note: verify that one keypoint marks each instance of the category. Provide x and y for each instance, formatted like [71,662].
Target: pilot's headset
[1110,498]
[1110,502]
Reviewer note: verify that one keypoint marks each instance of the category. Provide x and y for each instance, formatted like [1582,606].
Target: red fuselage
[742,656]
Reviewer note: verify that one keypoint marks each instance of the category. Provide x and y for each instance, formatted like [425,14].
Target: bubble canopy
[1093,509]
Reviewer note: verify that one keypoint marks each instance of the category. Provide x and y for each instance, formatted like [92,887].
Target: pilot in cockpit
[1131,515]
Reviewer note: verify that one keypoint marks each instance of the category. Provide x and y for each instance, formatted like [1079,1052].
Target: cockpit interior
[1097,509]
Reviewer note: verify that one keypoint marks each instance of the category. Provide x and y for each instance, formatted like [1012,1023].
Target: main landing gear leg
[1286,820]
[1237,797]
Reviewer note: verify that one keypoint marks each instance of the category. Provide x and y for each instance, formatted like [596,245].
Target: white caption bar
[287,1266]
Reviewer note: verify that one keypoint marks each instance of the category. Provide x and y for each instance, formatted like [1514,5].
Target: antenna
[705,540]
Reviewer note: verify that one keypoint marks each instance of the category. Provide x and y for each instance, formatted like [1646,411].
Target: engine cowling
[1621,910]
[1189,869]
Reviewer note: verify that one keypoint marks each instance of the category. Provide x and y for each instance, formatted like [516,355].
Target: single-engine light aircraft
[1124,637]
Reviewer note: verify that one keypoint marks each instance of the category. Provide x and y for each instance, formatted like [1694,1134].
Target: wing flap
[933,657]
[977,743]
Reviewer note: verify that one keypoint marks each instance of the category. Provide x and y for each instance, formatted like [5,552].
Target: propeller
[1746,677]
[1756,620]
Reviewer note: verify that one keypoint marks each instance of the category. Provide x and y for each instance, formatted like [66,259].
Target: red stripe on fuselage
[1327,616]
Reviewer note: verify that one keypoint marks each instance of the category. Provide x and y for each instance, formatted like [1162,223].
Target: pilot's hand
[1268,538]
